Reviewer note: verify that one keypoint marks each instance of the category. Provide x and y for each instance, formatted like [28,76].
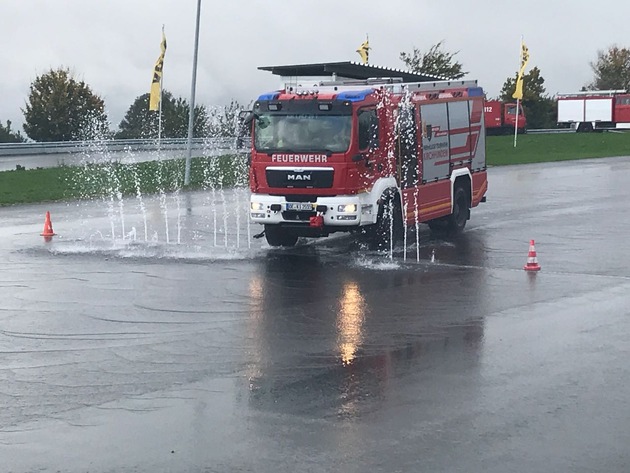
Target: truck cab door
[407,146]
[368,136]
[622,109]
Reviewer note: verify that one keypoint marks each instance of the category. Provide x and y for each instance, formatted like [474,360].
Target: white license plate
[300,206]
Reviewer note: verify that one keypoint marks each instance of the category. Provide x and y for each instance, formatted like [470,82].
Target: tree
[540,109]
[224,121]
[8,136]
[140,122]
[61,108]
[612,69]
[434,62]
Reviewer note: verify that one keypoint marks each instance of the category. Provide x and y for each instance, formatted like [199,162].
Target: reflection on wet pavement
[218,353]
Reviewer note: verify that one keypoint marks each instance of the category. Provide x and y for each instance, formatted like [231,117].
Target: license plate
[300,206]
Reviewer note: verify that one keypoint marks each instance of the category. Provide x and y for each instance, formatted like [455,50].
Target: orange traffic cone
[532,261]
[48,230]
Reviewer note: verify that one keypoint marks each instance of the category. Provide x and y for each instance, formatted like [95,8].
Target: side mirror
[249,118]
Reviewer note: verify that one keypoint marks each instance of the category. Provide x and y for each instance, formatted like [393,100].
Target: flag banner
[364,51]
[156,83]
[518,93]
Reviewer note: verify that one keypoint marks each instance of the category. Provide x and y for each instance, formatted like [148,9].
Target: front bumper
[338,211]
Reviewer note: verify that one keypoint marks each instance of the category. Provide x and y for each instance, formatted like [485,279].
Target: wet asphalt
[155,334]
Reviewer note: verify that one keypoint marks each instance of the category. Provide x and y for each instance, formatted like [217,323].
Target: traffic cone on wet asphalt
[48,229]
[532,260]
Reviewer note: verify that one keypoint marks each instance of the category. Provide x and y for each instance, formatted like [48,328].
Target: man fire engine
[374,155]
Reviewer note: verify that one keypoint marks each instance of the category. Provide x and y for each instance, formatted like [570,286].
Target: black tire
[585,127]
[388,226]
[461,211]
[278,236]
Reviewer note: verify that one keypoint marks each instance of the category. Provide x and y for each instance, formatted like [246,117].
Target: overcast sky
[112,44]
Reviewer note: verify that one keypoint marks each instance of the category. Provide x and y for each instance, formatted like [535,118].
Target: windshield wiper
[270,151]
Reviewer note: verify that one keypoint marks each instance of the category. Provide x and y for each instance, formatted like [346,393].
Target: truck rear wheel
[456,221]
[461,211]
[278,236]
[585,127]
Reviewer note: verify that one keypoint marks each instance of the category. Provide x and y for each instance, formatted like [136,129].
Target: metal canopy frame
[347,69]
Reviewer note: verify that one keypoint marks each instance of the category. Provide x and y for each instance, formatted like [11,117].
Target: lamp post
[191,113]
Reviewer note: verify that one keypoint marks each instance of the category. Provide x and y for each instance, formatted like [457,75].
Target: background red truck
[500,118]
[594,110]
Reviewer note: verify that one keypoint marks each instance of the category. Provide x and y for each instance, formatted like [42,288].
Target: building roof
[347,69]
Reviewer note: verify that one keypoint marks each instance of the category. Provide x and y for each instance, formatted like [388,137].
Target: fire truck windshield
[302,133]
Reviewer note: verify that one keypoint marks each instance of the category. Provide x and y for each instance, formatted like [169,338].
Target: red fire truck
[500,118]
[373,155]
[594,110]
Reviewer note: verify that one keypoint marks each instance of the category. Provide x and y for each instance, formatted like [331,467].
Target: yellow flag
[364,51]
[156,83]
[518,93]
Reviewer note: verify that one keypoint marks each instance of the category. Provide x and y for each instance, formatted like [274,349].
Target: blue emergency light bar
[354,95]
[475,92]
[269,96]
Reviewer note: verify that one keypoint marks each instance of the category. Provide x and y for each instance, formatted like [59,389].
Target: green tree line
[611,70]
[61,108]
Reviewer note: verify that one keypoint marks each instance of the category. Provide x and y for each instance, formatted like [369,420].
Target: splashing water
[143,210]
[405,232]
[417,228]
[222,198]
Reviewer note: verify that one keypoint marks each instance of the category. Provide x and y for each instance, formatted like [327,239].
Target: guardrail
[542,131]
[59,147]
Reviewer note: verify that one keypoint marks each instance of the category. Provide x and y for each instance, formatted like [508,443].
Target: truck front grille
[303,178]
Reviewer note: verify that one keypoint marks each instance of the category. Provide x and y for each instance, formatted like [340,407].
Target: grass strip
[542,148]
[114,178]
[94,180]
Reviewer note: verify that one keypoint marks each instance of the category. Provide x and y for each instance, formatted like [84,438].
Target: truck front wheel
[278,236]
[388,229]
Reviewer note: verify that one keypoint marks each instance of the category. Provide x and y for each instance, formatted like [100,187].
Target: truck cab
[314,155]
[501,118]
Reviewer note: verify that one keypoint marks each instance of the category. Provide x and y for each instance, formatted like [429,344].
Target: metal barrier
[546,131]
[61,147]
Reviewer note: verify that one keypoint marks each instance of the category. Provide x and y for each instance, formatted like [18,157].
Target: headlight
[349,208]
[257,206]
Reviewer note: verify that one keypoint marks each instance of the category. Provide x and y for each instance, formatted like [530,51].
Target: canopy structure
[347,70]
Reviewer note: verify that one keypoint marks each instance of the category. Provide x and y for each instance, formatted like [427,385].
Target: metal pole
[518,104]
[159,143]
[191,114]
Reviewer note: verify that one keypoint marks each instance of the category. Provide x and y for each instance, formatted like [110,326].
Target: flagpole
[518,101]
[159,143]
[192,99]
[518,104]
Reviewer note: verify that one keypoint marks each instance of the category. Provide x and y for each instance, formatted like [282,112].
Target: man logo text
[298,177]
